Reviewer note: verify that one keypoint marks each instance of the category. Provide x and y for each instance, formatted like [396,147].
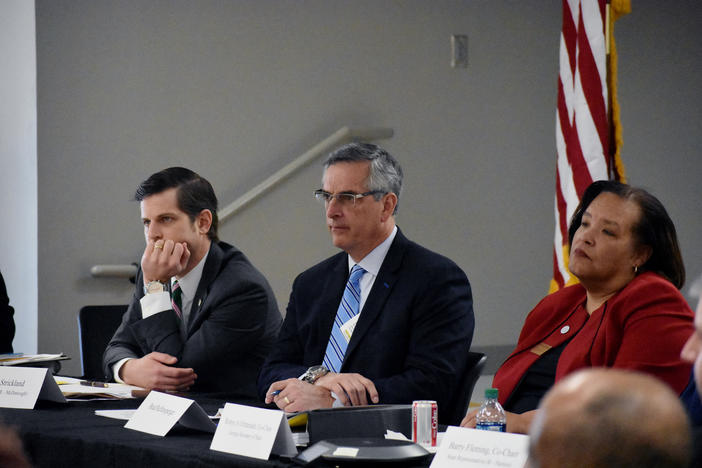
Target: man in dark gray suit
[202,316]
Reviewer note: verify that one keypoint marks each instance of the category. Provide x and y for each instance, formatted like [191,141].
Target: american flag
[588,132]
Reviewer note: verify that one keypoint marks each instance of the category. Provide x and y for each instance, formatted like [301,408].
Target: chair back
[461,400]
[96,325]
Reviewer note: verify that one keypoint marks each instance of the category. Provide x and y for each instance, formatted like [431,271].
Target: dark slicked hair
[385,172]
[194,193]
[654,229]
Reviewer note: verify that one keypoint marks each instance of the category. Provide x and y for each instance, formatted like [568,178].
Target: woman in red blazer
[627,312]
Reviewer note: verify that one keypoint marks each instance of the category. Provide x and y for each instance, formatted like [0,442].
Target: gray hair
[385,172]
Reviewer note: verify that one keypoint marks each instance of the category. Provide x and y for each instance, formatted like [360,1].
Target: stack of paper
[19,359]
[77,389]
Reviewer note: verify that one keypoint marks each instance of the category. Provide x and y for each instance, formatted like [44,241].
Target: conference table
[71,434]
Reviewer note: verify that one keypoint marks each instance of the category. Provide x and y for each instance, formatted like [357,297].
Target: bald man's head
[610,417]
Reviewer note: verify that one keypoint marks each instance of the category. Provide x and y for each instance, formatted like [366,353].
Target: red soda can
[425,422]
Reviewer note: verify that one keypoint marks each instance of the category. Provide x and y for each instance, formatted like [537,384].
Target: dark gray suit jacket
[7,323]
[231,328]
[412,337]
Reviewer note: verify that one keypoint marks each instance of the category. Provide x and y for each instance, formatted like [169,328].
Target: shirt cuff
[154,303]
[337,402]
[116,367]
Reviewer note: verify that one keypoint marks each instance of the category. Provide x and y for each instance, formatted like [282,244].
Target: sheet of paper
[20,359]
[83,392]
[400,436]
[123,414]
[253,432]
[470,448]
[301,439]
[64,380]
[73,389]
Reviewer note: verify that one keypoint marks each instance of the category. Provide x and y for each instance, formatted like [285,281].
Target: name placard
[253,432]
[21,387]
[159,412]
[463,448]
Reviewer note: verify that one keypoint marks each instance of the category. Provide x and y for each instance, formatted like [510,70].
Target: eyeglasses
[343,198]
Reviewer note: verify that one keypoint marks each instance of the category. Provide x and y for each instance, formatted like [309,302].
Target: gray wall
[235,89]
[18,166]
[660,60]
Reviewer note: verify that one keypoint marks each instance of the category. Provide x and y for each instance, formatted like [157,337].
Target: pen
[89,383]
[275,392]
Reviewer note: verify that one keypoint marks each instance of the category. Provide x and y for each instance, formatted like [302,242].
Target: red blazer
[642,327]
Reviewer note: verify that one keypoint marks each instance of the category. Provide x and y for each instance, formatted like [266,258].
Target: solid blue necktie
[348,308]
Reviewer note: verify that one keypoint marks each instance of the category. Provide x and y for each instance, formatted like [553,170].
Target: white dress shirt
[372,263]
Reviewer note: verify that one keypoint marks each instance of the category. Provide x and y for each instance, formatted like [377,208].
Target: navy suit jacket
[231,328]
[692,401]
[411,339]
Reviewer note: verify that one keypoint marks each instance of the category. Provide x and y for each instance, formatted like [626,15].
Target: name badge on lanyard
[348,327]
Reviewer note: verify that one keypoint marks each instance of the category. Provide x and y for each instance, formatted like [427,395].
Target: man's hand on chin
[155,371]
[163,259]
[296,395]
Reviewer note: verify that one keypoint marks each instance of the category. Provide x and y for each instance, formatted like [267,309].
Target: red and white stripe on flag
[582,119]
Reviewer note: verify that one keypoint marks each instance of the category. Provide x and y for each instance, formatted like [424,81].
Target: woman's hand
[516,423]
[469,419]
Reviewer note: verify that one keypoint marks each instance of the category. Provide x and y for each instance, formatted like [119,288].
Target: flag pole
[615,9]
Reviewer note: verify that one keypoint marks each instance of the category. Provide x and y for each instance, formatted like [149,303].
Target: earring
[636,269]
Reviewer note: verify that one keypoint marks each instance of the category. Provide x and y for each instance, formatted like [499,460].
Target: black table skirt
[71,435]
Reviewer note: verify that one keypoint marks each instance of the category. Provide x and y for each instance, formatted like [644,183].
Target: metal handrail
[343,135]
[339,137]
[114,271]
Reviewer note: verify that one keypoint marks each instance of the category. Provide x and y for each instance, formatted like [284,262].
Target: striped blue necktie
[336,348]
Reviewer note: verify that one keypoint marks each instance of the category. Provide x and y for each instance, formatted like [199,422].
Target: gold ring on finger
[287,402]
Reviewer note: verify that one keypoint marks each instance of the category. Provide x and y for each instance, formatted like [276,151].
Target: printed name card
[463,448]
[21,387]
[159,412]
[253,432]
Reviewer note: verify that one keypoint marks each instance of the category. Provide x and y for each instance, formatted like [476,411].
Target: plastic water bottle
[491,416]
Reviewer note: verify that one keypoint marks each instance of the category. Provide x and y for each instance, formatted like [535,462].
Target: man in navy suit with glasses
[383,321]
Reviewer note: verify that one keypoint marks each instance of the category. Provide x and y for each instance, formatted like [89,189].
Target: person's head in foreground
[610,418]
[12,454]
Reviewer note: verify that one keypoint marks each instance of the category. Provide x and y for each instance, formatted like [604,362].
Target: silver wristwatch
[314,373]
[155,287]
